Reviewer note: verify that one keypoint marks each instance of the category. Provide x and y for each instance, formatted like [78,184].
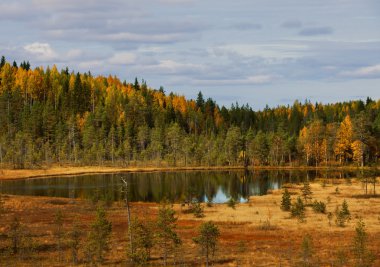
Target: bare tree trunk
[206,256]
[128,214]
[362,158]
[374,186]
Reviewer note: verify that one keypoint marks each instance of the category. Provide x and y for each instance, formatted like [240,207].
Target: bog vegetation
[51,116]
[95,234]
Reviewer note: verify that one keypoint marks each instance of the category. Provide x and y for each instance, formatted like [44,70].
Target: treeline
[51,116]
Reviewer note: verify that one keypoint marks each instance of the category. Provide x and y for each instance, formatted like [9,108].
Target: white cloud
[90,65]
[42,51]
[260,79]
[168,66]
[270,50]
[122,58]
[74,53]
[12,10]
[364,72]
[248,81]
[177,1]
[135,37]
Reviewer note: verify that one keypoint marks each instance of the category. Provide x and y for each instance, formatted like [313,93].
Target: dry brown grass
[7,174]
[67,170]
[280,246]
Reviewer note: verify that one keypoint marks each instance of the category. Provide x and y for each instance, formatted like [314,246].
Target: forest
[50,116]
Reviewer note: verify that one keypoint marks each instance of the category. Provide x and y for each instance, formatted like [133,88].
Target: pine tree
[2,62]
[74,242]
[142,238]
[306,191]
[207,239]
[307,250]
[363,257]
[286,201]
[15,234]
[98,239]
[342,214]
[58,232]
[345,210]
[166,225]
[298,209]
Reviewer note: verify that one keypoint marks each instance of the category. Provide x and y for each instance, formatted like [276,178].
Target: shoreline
[17,174]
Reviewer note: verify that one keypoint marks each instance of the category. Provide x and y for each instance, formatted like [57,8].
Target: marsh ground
[246,238]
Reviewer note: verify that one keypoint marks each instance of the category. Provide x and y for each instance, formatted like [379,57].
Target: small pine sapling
[286,201]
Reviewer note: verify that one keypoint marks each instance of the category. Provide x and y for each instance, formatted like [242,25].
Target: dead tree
[128,214]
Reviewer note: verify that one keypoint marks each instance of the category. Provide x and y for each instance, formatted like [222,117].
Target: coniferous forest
[50,116]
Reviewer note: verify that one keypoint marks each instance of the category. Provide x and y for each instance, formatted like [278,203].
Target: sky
[247,51]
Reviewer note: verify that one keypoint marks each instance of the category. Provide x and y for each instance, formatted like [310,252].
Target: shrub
[319,206]
[196,208]
[266,225]
[231,203]
[298,210]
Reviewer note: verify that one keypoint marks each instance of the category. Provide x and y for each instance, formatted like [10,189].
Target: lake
[215,186]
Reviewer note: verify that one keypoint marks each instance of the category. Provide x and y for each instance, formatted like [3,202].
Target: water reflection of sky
[222,197]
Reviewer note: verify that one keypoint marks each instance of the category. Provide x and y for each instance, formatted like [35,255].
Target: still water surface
[215,186]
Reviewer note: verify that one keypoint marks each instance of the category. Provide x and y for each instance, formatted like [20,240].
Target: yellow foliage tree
[344,138]
[313,142]
[358,148]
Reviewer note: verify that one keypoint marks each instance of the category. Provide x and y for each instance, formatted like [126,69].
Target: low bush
[319,206]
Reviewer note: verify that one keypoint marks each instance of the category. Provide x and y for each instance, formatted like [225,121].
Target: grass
[12,174]
[68,170]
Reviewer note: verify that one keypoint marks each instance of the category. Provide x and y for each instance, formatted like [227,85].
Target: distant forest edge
[61,117]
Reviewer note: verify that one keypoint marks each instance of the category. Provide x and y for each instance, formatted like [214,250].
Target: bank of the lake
[13,174]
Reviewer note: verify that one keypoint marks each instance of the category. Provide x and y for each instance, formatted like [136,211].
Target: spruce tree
[286,201]
[2,62]
[306,191]
[200,101]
